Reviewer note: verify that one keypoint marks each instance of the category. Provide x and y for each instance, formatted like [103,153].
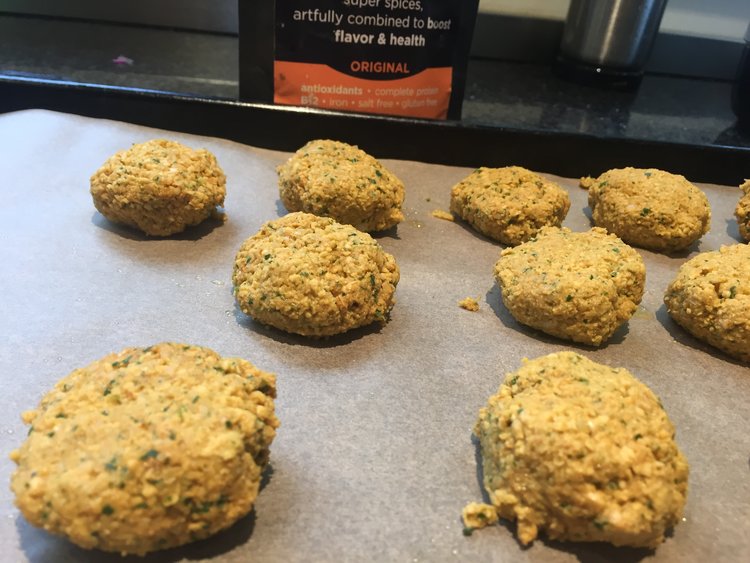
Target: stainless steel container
[611,37]
[741,87]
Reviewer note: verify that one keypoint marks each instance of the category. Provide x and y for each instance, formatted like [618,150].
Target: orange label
[425,94]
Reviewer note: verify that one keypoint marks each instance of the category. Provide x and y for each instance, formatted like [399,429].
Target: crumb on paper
[477,515]
[586,182]
[440,214]
[469,303]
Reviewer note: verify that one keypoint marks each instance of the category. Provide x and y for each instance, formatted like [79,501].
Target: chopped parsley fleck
[468,531]
[149,454]
[645,211]
[732,292]
[568,298]
[121,363]
[61,415]
[111,465]
[108,388]
[637,436]
[107,510]
[514,380]
[228,423]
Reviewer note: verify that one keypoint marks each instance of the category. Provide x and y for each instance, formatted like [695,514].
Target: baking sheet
[374,459]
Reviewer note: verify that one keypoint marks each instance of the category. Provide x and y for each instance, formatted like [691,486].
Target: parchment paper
[374,459]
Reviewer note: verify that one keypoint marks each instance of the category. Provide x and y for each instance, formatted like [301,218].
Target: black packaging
[393,57]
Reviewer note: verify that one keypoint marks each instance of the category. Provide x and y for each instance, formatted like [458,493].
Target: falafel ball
[582,452]
[509,204]
[710,298]
[577,286]
[312,276]
[742,211]
[649,208]
[338,180]
[147,449]
[160,187]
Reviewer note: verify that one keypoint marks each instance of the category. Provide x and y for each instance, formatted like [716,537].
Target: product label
[375,56]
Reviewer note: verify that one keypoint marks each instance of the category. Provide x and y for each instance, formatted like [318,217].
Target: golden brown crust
[710,298]
[313,276]
[649,208]
[147,449]
[577,286]
[160,187]
[742,211]
[583,452]
[338,180]
[509,204]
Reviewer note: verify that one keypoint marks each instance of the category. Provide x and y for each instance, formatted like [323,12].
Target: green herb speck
[107,510]
[149,454]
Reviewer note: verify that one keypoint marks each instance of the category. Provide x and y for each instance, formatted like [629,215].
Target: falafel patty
[147,449]
[582,452]
[509,204]
[312,276]
[577,286]
[338,180]
[710,298]
[649,208]
[160,187]
[742,211]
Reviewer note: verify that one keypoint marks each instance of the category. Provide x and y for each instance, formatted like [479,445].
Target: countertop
[523,97]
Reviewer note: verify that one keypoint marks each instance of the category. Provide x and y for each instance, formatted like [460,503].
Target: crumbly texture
[469,303]
[146,449]
[337,180]
[160,187]
[583,452]
[313,276]
[577,286]
[742,211]
[478,515]
[649,208]
[710,298]
[509,204]
[444,215]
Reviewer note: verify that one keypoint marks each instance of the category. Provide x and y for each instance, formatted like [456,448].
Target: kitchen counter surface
[523,97]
